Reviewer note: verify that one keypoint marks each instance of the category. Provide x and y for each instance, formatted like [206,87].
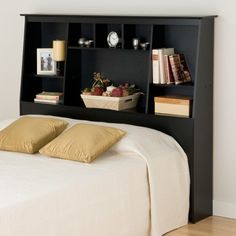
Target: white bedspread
[139,187]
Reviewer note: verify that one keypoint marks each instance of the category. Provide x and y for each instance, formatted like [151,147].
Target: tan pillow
[28,134]
[83,142]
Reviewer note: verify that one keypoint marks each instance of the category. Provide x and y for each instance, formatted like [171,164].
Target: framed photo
[45,63]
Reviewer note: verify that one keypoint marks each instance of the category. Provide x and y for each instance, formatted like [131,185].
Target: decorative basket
[112,103]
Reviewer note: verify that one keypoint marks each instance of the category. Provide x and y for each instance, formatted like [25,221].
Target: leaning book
[179,68]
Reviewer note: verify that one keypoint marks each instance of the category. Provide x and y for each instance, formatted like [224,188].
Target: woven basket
[112,103]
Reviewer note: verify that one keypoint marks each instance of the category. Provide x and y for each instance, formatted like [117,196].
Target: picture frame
[45,63]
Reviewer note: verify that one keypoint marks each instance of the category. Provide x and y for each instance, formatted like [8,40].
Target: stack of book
[49,97]
[169,67]
[173,106]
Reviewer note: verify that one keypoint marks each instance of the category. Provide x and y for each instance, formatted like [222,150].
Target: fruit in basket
[103,87]
[129,89]
[86,91]
[124,90]
[106,94]
[117,92]
[97,91]
[110,88]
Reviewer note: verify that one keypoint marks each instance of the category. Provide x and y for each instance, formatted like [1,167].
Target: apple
[117,92]
[97,91]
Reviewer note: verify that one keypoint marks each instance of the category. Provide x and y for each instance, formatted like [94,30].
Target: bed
[139,187]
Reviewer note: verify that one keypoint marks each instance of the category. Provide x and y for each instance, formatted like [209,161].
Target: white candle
[58,50]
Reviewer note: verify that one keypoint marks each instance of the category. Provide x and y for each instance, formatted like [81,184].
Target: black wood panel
[203,125]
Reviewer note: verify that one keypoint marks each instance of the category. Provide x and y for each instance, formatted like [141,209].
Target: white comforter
[140,187]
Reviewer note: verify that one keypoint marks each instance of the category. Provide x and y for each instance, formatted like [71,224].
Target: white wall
[11,25]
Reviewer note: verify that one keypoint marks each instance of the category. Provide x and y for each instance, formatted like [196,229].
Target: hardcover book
[184,67]
[162,52]
[48,101]
[49,95]
[155,67]
[168,71]
[179,68]
[176,68]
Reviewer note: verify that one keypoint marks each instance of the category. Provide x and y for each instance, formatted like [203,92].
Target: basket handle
[128,100]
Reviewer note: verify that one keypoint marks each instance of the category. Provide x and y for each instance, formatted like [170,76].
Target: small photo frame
[45,63]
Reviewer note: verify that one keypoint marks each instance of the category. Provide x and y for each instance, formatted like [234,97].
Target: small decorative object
[113,39]
[135,43]
[88,43]
[144,45]
[81,41]
[110,88]
[100,84]
[111,103]
[106,96]
[45,63]
[59,55]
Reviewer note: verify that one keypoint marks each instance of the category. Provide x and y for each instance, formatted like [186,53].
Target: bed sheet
[139,187]
[44,196]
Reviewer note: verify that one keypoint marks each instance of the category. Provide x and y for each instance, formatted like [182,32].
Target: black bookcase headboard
[193,36]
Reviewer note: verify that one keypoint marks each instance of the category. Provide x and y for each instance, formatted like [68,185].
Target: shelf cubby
[142,32]
[37,83]
[169,90]
[183,38]
[102,31]
[79,30]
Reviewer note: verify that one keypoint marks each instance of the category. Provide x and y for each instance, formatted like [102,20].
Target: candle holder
[59,55]
[81,42]
[135,43]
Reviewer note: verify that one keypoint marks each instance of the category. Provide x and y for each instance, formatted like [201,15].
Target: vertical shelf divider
[122,37]
[149,75]
[94,36]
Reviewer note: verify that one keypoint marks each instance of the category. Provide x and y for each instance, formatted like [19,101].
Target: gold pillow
[83,142]
[28,134]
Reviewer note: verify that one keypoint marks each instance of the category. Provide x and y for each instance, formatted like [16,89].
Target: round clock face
[112,39]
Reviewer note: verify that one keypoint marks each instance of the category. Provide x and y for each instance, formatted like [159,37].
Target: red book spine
[169,73]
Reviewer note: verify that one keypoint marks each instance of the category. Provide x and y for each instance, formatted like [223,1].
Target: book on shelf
[49,95]
[173,106]
[48,101]
[179,68]
[168,70]
[162,52]
[184,67]
[155,67]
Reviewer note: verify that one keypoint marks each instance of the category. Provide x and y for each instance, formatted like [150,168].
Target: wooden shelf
[185,85]
[107,48]
[49,76]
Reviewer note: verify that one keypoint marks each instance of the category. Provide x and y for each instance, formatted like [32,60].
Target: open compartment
[183,38]
[137,31]
[104,61]
[79,31]
[102,31]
